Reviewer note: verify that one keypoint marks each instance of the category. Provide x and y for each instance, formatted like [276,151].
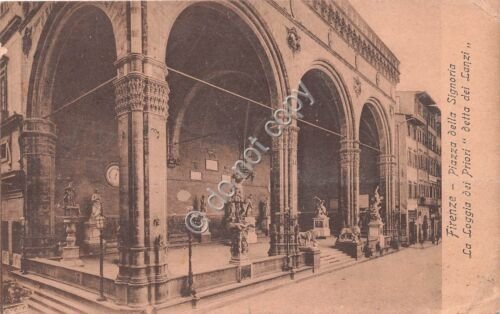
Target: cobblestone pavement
[408,281]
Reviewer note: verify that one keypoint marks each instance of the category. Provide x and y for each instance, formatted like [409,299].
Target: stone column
[278,196]
[38,145]
[349,181]
[292,133]
[387,165]
[142,107]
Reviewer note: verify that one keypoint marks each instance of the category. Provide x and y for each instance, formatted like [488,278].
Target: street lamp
[100,221]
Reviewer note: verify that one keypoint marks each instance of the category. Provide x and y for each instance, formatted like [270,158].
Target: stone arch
[278,77]
[382,124]
[320,167]
[55,82]
[65,15]
[377,162]
[347,120]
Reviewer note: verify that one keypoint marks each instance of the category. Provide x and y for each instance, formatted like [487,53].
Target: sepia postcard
[250,156]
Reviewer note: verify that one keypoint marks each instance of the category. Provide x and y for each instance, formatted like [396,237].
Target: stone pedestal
[71,252]
[252,236]
[375,229]
[375,233]
[311,256]
[349,242]
[91,239]
[239,244]
[321,227]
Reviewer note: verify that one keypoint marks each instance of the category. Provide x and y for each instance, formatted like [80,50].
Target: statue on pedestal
[241,228]
[321,211]
[321,222]
[239,243]
[71,252]
[69,196]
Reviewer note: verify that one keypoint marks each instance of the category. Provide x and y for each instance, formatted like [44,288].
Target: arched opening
[209,128]
[87,142]
[369,170]
[318,158]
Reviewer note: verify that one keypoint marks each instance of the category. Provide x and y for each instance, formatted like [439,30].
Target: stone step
[70,305]
[336,258]
[55,296]
[38,308]
[339,265]
[49,306]
[339,257]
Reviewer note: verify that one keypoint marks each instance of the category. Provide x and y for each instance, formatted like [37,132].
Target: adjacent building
[418,142]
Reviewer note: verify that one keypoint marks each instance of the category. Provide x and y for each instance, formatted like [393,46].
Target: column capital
[139,92]
[39,126]
[38,136]
[349,145]
[386,159]
[156,93]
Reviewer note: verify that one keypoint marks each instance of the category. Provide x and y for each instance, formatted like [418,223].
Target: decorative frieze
[357,34]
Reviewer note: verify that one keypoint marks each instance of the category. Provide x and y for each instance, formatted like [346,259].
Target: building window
[3,88]
[4,151]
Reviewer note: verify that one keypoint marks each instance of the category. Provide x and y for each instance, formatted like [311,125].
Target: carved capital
[386,164]
[349,152]
[129,93]
[157,97]
[386,159]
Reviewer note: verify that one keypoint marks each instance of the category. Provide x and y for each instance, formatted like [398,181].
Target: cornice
[327,47]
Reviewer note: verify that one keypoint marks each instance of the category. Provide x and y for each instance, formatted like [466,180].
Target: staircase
[332,259]
[50,296]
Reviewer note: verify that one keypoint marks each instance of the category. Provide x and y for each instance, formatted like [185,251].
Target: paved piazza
[409,278]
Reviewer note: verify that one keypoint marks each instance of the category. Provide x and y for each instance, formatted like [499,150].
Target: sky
[411,30]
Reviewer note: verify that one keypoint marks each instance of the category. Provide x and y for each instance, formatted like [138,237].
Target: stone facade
[139,62]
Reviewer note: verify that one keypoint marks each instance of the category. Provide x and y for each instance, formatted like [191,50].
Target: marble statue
[376,205]
[203,205]
[321,211]
[307,239]
[96,204]
[69,195]
[265,207]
